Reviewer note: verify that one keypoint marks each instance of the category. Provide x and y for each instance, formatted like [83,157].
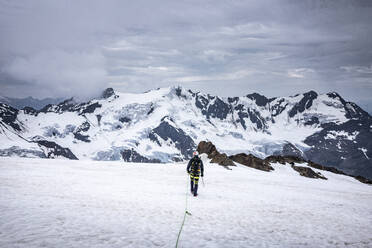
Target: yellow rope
[186,213]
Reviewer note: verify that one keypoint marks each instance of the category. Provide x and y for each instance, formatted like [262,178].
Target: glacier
[83,203]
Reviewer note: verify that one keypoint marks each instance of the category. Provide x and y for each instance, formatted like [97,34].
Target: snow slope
[64,203]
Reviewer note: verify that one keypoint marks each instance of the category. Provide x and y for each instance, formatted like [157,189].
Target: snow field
[63,203]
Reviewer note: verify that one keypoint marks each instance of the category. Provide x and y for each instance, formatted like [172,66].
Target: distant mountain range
[166,125]
[35,103]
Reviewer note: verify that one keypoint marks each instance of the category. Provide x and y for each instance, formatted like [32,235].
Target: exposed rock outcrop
[284,159]
[53,150]
[265,164]
[252,161]
[8,115]
[213,154]
[168,132]
[108,93]
[307,172]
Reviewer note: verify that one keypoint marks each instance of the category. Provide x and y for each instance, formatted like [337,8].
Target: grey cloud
[222,47]
[61,72]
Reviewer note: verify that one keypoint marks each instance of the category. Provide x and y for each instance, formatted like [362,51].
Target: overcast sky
[229,48]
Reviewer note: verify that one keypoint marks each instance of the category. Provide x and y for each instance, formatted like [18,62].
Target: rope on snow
[186,212]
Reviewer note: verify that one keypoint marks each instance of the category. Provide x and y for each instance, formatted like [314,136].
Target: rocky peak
[216,157]
[305,103]
[335,95]
[8,115]
[66,105]
[260,100]
[109,92]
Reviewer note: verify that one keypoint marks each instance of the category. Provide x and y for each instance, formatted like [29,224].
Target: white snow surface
[64,203]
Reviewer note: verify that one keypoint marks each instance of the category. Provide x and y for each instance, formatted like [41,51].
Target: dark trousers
[194,181]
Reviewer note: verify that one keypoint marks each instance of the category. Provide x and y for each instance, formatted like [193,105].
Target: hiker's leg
[192,183]
[196,179]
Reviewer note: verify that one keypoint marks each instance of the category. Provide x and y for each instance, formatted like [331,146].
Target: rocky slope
[167,124]
[302,166]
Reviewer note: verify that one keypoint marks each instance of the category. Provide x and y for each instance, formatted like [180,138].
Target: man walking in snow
[194,169]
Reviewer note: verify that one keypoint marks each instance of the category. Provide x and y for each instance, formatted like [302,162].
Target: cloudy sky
[231,48]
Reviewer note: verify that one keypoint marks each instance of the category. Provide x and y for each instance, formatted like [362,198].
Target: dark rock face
[178,91]
[99,118]
[289,150]
[308,172]
[215,107]
[8,116]
[256,118]
[201,102]
[333,146]
[252,161]
[284,159]
[219,109]
[124,119]
[23,153]
[67,105]
[212,107]
[353,111]
[53,150]
[81,129]
[278,108]
[305,103]
[70,105]
[90,108]
[177,136]
[30,111]
[253,115]
[213,154]
[259,99]
[81,137]
[152,108]
[130,155]
[242,115]
[108,93]
[313,120]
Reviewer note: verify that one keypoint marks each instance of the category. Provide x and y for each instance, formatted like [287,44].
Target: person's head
[195,154]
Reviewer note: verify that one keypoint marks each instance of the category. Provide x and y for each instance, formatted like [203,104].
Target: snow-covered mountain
[166,125]
[35,103]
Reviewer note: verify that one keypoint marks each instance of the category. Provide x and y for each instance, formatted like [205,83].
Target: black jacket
[195,159]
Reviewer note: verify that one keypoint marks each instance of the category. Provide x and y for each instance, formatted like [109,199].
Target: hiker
[194,169]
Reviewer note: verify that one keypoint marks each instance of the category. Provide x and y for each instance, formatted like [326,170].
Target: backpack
[195,166]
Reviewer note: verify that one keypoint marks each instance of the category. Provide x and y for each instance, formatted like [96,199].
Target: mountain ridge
[167,123]
[29,101]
